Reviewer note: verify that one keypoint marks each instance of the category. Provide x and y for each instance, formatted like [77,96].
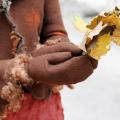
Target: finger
[72,71]
[71,86]
[93,62]
[67,46]
[59,57]
[40,91]
[57,88]
[60,47]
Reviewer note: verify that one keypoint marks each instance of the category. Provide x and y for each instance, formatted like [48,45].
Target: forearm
[53,27]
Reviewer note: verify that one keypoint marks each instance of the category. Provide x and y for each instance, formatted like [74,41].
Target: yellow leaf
[116,37]
[103,29]
[100,47]
[111,20]
[80,24]
[95,22]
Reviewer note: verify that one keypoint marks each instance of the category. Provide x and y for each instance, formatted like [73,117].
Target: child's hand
[58,47]
[61,68]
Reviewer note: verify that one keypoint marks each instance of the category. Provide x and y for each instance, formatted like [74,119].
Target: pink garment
[34,109]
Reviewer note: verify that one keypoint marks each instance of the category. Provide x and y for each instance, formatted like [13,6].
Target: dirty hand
[61,68]
[58,47]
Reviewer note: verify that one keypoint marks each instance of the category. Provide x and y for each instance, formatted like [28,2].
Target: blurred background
[97,98]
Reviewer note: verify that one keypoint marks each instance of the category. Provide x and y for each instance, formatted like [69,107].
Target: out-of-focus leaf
[80,24]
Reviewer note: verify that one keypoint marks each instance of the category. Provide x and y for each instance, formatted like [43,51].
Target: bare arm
[53,27]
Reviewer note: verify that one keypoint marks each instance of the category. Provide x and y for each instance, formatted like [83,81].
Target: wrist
[56,39]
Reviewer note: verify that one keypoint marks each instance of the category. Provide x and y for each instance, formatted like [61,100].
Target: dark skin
[37,22]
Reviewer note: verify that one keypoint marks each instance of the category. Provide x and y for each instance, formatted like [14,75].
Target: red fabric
[33,109]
